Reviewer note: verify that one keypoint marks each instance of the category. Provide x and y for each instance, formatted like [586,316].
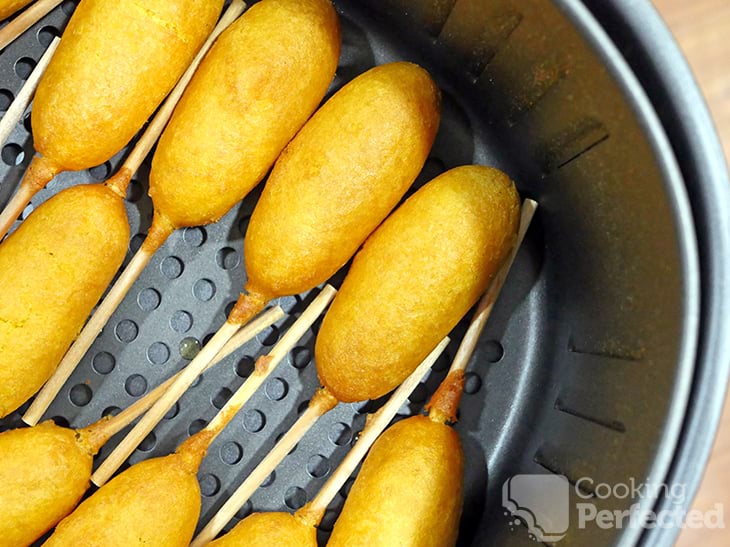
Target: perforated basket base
[183,296]
[576,369]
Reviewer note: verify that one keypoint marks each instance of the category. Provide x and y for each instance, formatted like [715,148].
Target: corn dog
[55,278]
[47,468]
[353,179]
[414,279]
[9,7]
[196,177]
[115,64]
[409,491]
[157,501]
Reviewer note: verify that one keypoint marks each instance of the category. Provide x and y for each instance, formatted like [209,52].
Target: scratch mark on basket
[579,154]
[612,352]
[572,143]
[614,425]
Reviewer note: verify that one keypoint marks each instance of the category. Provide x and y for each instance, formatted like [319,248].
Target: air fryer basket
[585,368]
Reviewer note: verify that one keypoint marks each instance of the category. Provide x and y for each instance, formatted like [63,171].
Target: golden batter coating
[340,177]
[408,492]
[45,472]
[268,530]
[414,279]
[8,7]
[117,61]
[53,271]
[257,86]
[155,502]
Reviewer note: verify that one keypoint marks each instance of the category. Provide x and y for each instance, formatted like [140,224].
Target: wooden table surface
[702,28]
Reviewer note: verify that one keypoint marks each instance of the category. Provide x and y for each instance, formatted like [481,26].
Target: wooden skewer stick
[131,273]
[102,431]
[147,423]
[486,304]
[445,401]
[41,169]
[120,181]
[86,338]
[186,377]
[266,364]
[313,512]
[21,198]
[19,201]
[25,20]
[320,404]
[21,102]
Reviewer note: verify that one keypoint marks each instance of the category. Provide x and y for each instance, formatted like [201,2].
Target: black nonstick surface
[586,365]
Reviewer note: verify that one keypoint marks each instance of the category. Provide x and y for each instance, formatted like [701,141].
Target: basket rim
[648,47]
